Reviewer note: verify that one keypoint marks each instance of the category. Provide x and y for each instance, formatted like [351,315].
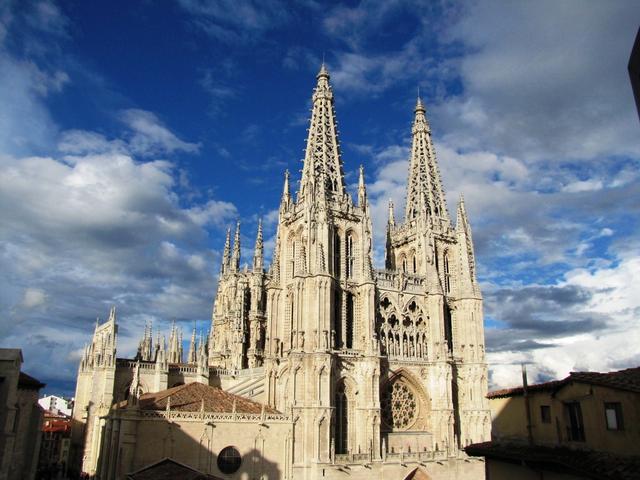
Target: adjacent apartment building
[20,418]
[585,426]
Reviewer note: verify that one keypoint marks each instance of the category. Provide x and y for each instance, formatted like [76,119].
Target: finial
[285,190]
[323,70]
[419,104]
[392,219]
[362,191]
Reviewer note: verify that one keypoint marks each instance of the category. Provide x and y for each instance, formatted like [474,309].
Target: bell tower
[321,357]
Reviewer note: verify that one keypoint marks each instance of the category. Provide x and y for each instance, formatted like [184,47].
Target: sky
[132,134]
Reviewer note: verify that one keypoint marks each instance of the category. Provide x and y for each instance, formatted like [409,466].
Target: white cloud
[214,212]
[151,136]
[611,296]
[33,297]
[544,80]
[92,228]
[236,22]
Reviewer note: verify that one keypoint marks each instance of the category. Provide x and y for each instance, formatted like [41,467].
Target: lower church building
[319,366]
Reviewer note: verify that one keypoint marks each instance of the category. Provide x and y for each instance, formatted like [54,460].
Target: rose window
[399,406]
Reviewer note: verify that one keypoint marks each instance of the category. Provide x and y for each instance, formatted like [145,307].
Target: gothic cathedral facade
[367,364]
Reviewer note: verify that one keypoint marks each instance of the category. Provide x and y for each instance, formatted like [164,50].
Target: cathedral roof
[192,397]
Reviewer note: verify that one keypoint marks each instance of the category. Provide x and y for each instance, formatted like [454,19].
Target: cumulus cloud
[150,136]
[33,297]
[585,322]
[93,227]
[555,87]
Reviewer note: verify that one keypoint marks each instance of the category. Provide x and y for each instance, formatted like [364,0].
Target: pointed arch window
[342,420]
[293,259]
[350,254]
[447,274]
[337,318]
[336,254]
[413,260]
[349,319]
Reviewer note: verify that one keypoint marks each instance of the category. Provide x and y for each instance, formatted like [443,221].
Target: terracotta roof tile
[586,463]
[190,397]
[538,387]
[628,379]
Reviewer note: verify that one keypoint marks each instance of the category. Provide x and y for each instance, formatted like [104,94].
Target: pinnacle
[323,71]
[420,106]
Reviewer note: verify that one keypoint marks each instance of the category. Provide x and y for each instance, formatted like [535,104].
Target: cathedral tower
[433,322]
[323,363]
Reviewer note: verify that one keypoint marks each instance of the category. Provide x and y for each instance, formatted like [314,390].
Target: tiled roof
[628,379]
[56,415]
[586,463]
[169,469]
[27,381]
[190,398]
[56,425]
[539,387]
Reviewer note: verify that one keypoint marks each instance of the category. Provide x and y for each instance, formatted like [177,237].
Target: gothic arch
[142,389]
[404,405]
[416,308]
[413,261]
[343,419]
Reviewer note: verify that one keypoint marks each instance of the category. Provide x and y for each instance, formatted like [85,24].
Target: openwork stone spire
[322,173]
[226,253]
[424,188]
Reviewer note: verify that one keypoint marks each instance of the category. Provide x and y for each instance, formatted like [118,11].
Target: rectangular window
[575,424]
[545,413]
[613,415]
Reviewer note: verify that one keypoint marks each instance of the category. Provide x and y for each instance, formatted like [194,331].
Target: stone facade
[20,418]
[378,370]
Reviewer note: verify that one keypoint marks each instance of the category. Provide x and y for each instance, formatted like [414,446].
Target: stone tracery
[399,405]
[407,339]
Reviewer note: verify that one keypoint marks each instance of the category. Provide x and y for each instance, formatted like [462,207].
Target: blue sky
[133,133]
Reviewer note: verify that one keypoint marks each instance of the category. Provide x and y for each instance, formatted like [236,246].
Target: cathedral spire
[235,257]
[258,254]
[322,173]
[425,198]
[465,240]
[391,221]
[225,254]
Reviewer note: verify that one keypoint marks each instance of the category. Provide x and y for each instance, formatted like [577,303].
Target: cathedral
[319,366]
